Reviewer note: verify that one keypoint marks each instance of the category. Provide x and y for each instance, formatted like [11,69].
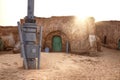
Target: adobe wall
[7,30]
[77,34]
[110,29]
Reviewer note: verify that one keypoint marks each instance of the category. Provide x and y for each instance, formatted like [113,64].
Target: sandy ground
[62,66]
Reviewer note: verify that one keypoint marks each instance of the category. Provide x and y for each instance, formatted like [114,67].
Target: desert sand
[62,66]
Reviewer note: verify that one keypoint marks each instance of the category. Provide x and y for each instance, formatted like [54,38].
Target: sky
[12,11]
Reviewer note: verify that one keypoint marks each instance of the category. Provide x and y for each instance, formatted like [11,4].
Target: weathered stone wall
[75,32]
[110,30]
[7,30]
[9,35]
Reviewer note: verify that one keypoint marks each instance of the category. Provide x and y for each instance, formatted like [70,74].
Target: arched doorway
[105,39]
[49,40]
[119,44]
[57,43]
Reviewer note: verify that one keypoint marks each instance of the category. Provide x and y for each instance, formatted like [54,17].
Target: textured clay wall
[80,34]
[9,35]
[69,29]
[7,30]
[109,33]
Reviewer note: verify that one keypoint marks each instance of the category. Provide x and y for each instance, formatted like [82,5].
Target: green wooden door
[57,43]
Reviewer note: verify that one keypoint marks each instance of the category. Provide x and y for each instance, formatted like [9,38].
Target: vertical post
[22,46]
[30,12]
[40,45]
[67,47]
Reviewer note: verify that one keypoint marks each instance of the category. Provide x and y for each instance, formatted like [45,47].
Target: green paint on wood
[57,43]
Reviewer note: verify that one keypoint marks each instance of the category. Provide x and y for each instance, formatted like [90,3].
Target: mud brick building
[109,33]
[61,33]
[66,32]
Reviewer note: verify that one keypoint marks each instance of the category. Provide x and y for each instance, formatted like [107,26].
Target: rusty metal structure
[30,50]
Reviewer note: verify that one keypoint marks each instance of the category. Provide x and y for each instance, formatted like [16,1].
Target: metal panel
[30,25]
[32,63]
[31,51]
[29,30]
[30,36]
